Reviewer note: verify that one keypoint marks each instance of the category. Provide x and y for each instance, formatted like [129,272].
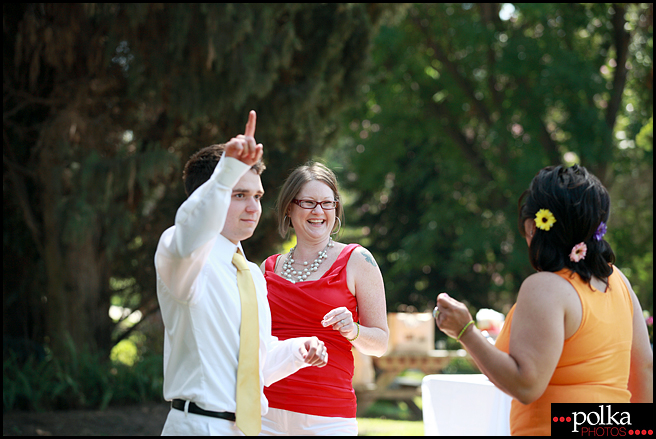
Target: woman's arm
[641,375]
[366,283]
[536,339]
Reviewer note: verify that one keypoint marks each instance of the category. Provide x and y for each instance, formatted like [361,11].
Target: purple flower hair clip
[601,231]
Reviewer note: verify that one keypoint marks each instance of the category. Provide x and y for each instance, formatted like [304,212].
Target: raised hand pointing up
[243,147]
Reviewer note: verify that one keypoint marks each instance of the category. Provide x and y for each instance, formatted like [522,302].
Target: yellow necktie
[248,371]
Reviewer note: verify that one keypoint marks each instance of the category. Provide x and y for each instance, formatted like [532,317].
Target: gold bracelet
[464,329]
[356,335]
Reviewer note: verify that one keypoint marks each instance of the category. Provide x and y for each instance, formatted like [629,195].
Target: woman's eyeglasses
[311,204]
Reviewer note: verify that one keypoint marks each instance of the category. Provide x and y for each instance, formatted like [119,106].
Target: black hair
[579,203]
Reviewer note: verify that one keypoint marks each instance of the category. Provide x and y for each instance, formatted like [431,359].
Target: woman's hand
[341,320]
[451,316]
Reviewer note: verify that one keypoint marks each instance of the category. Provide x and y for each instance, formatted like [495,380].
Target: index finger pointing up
[250,125]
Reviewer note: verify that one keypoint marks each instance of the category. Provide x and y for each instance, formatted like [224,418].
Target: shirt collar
[226,248]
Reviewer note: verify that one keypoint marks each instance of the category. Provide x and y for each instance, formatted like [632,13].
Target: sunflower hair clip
[544,219]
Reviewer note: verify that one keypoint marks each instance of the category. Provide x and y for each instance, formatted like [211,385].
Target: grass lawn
[389,427]
[387,418]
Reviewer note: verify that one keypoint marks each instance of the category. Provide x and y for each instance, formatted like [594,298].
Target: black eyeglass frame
[314,204]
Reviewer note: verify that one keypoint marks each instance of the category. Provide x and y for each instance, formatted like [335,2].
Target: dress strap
[270,263]
[345,255]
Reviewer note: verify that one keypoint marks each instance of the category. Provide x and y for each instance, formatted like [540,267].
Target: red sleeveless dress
[296,311]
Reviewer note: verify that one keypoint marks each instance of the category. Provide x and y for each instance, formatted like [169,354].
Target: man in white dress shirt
[199,298]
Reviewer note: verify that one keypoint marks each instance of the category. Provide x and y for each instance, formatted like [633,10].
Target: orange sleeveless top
[296,311]
[594,364]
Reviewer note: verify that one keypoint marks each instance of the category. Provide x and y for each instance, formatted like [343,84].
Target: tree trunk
[56,312]
[87,294]
[76,298]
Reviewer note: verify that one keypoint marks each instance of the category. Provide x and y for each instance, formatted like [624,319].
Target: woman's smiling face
[313,224]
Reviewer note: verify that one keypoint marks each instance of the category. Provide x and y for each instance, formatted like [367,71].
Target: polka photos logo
[602,420]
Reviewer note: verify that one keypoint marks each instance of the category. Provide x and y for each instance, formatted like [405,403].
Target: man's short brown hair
[200,166]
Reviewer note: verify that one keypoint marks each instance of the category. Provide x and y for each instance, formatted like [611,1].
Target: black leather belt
[179,404]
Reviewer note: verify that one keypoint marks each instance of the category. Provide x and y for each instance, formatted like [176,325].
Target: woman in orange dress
[328,289]
[576,333]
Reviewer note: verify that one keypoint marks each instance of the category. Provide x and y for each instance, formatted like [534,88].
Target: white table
[464,405]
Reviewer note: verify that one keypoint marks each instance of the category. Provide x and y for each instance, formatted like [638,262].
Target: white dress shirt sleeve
[183,249]
[277,364]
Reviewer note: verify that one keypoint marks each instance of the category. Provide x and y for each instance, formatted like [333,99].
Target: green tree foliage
[465,107]
[104,103]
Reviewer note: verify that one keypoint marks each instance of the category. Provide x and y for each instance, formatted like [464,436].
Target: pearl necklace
[288,271]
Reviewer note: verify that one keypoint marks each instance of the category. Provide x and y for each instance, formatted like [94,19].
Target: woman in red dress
[326,289]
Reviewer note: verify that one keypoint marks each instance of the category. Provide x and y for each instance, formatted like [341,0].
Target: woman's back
[595,362]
